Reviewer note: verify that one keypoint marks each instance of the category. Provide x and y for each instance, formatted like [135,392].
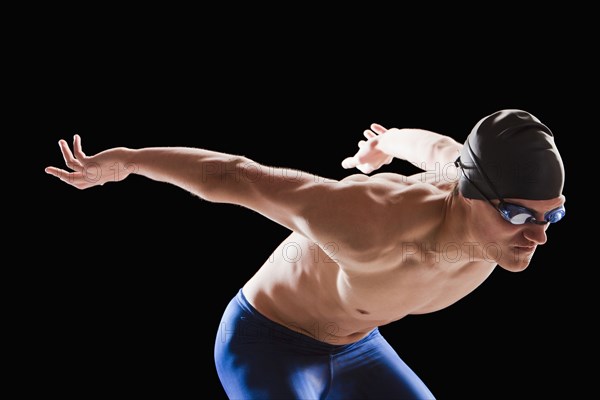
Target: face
[511,246]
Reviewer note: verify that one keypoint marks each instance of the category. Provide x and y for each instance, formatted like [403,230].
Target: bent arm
[425,149]
[420,147]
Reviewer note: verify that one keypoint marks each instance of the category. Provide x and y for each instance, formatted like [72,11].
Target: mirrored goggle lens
[555,215]
[514,214]
[520,219]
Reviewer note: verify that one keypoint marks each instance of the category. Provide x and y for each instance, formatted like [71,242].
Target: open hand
[368,158]
[88,171]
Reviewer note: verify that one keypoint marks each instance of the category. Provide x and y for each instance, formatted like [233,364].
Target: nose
[536,233]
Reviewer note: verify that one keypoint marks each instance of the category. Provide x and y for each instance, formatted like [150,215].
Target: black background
[134,276]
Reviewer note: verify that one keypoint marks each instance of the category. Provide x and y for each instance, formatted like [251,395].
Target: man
[363,251]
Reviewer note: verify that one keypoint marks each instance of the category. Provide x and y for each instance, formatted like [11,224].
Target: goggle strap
[480,169]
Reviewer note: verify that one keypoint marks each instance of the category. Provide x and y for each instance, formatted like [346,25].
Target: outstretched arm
[348,214]
[420,147]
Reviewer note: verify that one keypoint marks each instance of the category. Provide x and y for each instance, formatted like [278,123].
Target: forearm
[208,174]
[277,193]
[420,147]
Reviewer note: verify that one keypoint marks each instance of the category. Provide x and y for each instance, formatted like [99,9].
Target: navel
[362,311]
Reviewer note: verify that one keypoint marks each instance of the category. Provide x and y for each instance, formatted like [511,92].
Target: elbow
[446,150]
[224,181]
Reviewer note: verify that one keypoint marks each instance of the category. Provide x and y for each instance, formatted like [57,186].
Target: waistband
[287,334]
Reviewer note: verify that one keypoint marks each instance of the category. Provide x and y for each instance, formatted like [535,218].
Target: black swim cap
[517,154]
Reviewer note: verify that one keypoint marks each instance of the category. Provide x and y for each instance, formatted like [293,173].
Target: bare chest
[413,287]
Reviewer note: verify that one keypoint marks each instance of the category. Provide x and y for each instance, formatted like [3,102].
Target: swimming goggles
[513,213]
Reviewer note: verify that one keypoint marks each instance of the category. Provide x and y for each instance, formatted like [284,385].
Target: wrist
[388,143]
[126,158]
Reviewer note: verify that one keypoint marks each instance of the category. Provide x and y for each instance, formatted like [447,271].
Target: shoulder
[386,184]
[385,211]
[389,205]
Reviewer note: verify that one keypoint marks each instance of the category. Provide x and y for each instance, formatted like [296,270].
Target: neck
[457,229]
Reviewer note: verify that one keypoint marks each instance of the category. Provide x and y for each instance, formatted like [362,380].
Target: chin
[517,265]
[517,261]
[514,267]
